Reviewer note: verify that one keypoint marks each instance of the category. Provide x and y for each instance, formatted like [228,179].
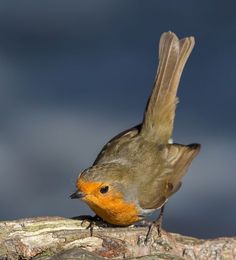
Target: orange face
[108,203]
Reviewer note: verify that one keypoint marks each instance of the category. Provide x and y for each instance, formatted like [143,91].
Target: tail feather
[159,116]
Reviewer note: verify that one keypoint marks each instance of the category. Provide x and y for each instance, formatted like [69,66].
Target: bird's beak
[77,195]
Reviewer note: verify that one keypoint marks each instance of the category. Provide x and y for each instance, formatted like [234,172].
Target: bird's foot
[154,224]
[151,227]
[93,221]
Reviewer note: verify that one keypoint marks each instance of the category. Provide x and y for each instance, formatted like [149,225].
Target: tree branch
[59,238]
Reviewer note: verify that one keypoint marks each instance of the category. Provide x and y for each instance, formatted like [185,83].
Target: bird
[138,170]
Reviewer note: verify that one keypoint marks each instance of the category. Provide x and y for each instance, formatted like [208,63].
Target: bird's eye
[104,189]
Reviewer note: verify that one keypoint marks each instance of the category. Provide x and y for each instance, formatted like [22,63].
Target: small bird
[139,169]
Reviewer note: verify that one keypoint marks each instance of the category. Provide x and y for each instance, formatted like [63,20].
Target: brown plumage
[138,170]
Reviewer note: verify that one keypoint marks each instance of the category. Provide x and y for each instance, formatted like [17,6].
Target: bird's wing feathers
[160,112]
[108,152]
[180,157]
[167,180]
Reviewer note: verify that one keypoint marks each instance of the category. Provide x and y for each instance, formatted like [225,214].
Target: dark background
[75,73]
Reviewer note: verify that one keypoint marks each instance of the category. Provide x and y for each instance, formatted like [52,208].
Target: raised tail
[159,116]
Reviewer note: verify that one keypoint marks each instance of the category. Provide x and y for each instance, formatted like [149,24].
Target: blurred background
[75,73]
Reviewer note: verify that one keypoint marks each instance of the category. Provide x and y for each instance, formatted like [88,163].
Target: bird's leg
[156,223]
[91,225]
[92,222]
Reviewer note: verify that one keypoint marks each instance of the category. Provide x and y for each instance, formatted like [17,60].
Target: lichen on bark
[60,238]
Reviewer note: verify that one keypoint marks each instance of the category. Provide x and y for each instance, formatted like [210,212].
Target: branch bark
[59,238]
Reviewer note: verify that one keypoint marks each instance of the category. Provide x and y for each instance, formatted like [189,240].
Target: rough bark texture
[60,238]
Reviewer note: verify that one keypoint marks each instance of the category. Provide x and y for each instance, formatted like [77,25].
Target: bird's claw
[157,223]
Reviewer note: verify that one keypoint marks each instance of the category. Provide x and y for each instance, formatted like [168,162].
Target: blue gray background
[75,73]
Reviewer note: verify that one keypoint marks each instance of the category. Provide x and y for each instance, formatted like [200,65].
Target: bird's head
[104,188]
[100,182]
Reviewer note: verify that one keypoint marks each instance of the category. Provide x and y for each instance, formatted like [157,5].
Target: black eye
[104,189]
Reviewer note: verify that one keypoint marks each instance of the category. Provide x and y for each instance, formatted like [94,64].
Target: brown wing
[159,116]
[108,152]
[176,160]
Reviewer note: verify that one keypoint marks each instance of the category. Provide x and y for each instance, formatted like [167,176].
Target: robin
[139,169]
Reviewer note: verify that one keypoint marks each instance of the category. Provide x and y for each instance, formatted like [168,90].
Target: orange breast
[111,207]
[116,212]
